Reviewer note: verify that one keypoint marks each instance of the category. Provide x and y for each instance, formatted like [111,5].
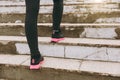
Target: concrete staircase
[90,51]
[15,67]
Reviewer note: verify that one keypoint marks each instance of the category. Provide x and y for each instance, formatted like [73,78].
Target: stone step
[17,67]
[79,30]
[70,6]
[74,7]
[66,3]
[78,17]
[42,2]
[76,11]
[74,48]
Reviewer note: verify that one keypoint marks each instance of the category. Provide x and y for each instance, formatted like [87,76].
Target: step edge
[69,70]
[67,24]
[67,41]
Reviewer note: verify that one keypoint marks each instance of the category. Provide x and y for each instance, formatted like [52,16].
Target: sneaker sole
[56,39]
[38,66]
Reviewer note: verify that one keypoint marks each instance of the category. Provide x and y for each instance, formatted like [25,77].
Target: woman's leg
[32,10]
[57,17]
[57,13]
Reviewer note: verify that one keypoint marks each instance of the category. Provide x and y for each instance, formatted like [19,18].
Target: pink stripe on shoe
[38,66]
[56,39]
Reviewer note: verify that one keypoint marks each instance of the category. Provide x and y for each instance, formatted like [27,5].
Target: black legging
[32,10]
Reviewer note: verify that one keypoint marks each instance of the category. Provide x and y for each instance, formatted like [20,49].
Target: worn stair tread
[68,41]
[50,2]
[105,25]
[43,2]
[72,30]
[79,66]
[10,4]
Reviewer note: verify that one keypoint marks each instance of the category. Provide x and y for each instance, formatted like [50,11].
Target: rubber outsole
[56,39]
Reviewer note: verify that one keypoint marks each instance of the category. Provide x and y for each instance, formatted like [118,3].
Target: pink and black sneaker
[36,63]
[57,36]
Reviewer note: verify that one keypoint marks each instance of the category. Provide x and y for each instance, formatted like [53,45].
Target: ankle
[37,55]
[56,31]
